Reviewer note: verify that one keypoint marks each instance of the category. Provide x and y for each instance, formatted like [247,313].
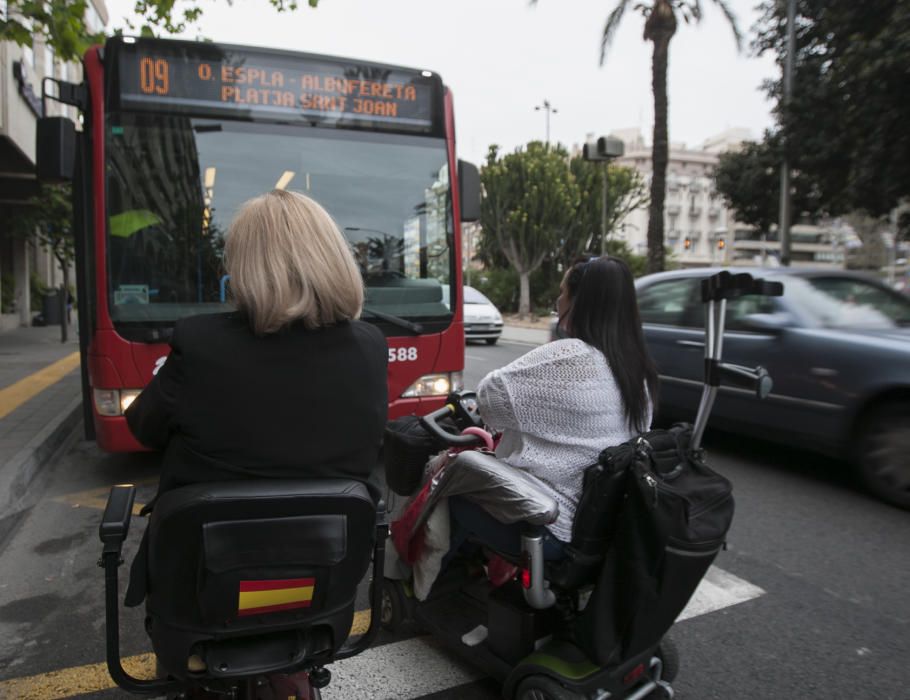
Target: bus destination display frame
[235,82]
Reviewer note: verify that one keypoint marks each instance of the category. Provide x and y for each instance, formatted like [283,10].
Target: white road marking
[719,589]
[407,669]
[475,357]
[420,666]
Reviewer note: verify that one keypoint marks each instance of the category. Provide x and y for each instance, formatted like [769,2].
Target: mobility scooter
[651,519]
[251,585]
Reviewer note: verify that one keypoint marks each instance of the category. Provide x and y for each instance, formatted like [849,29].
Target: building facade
[24,264]
[699,229]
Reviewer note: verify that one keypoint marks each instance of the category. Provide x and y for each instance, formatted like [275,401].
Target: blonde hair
[288,261]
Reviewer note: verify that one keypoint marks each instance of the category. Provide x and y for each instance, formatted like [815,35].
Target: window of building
[48,61]
[93,19]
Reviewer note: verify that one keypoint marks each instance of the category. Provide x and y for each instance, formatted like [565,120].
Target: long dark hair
[603,312]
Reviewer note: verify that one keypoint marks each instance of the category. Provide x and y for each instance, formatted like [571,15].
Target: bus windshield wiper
[415,328]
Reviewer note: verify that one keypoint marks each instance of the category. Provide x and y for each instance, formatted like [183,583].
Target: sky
[501,58]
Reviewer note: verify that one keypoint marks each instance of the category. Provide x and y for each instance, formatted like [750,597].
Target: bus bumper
[113,435]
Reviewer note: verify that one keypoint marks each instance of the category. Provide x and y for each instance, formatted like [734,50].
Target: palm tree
[661,21]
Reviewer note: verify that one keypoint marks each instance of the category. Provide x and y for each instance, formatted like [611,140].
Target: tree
[749,182]
[846,127]
[661,22]
[48,218]
[626,192]
[61,23]
[530,201]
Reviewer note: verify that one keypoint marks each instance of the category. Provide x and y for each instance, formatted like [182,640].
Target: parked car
[482,320]
[837,346]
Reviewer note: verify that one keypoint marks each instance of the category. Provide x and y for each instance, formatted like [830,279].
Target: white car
[482,320]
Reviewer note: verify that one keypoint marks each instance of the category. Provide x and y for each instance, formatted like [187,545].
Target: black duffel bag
[406,449]
[672,523]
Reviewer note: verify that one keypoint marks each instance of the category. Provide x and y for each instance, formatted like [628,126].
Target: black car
[837,345]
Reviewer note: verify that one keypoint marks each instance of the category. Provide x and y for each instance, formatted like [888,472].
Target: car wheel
[491,341]
[540,687]
[883,461]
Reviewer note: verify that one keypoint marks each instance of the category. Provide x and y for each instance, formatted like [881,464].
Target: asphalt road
[810,599]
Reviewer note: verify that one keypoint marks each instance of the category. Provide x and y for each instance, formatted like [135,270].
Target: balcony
[694,211]
[673,208]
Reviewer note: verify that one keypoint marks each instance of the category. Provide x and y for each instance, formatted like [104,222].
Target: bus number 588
[402,354]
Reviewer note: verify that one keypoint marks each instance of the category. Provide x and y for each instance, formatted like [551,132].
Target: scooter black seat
[255,577]
[510,495]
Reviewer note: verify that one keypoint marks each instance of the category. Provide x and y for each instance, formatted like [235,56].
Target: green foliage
[61,23]
[638,264]
[48,217]
[500,285]
[569,227]
[626,191]
[846,126]
[37,290]
[749,182]
[530,200]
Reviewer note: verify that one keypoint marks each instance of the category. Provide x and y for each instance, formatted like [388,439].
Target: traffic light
[721,244]
[687,243]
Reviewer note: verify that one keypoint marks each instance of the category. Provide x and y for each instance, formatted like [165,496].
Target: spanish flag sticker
[272,596]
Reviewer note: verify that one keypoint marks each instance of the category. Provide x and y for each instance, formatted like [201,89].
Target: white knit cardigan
[557,407]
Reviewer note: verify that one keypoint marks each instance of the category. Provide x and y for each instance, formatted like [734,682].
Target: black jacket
[228,404]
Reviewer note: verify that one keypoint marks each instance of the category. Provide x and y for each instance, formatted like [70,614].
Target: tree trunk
[524,297]
[660,151]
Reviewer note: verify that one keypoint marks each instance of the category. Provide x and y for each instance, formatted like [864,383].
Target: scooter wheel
[544,688]
[394,605]
[668,654]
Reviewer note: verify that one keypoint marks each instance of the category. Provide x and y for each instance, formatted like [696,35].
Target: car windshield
[472,296]
[847,302]
[175,183]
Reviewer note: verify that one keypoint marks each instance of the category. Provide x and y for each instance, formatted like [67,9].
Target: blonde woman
[290,384]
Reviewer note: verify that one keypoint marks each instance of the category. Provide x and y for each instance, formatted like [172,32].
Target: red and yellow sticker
[258,597]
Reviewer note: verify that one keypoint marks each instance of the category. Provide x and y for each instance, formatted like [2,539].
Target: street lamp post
[548,108]
[604,149]
[785,200]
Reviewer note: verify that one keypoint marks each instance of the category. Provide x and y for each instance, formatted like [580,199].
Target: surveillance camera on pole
[603,150]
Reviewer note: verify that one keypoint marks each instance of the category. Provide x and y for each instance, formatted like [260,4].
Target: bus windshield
[174,184]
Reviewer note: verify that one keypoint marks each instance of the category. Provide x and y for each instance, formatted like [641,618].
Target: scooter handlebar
[754,379]
[430,423]
[725,285]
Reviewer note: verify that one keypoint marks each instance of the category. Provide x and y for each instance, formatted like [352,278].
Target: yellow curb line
[93,678]
[17,394]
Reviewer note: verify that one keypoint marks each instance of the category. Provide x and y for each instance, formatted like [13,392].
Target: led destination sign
[204,79]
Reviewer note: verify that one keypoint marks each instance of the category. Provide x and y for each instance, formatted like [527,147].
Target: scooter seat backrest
[229,559]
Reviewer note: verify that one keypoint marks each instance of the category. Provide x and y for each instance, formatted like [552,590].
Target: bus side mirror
[55,149]
[469,191]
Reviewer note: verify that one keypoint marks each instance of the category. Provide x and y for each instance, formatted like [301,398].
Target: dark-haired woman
[559,405]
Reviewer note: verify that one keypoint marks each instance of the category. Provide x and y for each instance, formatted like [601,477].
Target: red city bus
[178,134]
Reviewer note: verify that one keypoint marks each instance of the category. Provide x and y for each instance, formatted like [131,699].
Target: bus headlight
[114,402]
[441,384]
[127,396]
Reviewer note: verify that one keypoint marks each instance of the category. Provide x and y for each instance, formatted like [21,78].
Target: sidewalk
[40,407]
[519,334]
